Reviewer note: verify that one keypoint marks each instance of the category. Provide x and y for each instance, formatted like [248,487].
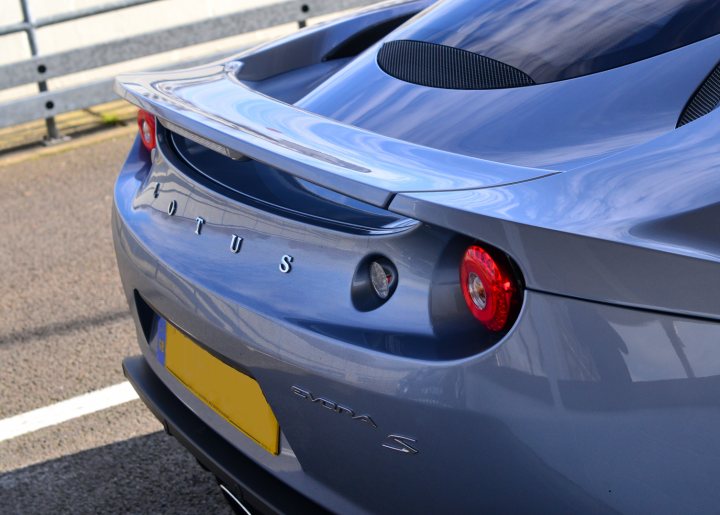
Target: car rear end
[335,319]
[334,308]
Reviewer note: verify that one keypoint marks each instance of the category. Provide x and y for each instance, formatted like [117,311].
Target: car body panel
[314,250]
[639,228]
[601,397]
[570,408]
[564,39]
[557,126]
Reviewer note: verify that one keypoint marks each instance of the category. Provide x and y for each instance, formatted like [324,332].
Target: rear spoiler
[211,106]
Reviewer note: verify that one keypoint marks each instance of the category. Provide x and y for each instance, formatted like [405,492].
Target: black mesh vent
[704,100]
[440,66]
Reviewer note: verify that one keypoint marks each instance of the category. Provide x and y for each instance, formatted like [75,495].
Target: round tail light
[146,124]
[489,287]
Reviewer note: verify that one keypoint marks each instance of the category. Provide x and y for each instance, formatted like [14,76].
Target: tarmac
[64,330]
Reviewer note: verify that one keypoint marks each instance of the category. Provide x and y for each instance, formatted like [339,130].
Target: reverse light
[382,279]
[374,282]
[489,287]
[146,124]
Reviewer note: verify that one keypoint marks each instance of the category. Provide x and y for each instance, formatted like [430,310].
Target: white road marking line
[63,411]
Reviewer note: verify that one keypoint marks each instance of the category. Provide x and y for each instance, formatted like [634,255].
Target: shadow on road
[59,328]
[147,474]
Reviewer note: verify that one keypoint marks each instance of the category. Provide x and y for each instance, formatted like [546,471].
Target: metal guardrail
[40,68]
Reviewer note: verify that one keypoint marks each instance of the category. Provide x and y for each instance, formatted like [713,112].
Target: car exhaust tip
[237,505]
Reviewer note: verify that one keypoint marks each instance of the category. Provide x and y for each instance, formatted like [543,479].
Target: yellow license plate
[230,393]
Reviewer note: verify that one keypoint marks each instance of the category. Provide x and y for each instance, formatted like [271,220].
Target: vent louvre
[704,100]
[441,66]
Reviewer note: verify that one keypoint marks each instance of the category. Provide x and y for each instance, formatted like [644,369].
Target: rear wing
[211,106]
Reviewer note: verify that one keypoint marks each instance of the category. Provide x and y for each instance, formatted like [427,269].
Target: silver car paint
[602,397]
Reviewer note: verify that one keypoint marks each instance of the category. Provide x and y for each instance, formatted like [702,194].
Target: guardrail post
[40,69]
[53,134]
[302,23]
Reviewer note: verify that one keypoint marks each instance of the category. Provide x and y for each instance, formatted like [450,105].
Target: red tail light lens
[146,124]
[489,288]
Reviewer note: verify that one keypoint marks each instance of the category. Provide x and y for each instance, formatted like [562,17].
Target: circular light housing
[489,288]
[146,124]
[374,282]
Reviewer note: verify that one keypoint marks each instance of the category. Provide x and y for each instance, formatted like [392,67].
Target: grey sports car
[459,257]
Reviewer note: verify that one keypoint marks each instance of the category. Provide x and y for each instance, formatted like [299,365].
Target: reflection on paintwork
[651,355]
[558,126]
[561,39]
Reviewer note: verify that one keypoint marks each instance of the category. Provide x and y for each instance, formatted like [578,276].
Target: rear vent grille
[704,100]
[440,66]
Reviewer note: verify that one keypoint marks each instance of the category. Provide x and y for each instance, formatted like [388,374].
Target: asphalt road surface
[64,329]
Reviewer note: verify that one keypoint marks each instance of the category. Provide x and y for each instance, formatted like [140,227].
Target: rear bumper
[244,478]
